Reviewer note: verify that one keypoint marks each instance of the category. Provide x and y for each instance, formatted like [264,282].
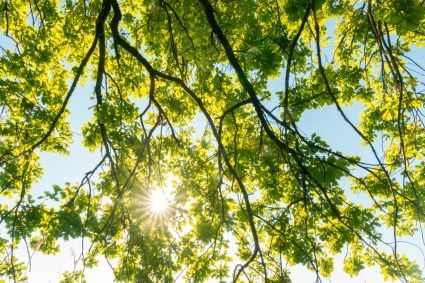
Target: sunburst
[159,201]
[156,206]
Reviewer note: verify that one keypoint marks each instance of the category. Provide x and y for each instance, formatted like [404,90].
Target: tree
[251,180]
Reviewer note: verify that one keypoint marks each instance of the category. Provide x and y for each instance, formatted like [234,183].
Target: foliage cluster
[251,181]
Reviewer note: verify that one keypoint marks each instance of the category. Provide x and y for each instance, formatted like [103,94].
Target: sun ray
[156,206]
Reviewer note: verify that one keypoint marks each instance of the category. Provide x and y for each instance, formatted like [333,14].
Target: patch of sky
[59,168]
[7,43]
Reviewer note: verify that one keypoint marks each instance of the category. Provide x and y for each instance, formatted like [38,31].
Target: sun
[159,201]
[156,206]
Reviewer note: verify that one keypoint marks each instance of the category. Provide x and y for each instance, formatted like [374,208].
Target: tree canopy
[251,193]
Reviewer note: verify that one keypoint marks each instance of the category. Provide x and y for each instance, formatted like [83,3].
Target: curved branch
[99,27]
